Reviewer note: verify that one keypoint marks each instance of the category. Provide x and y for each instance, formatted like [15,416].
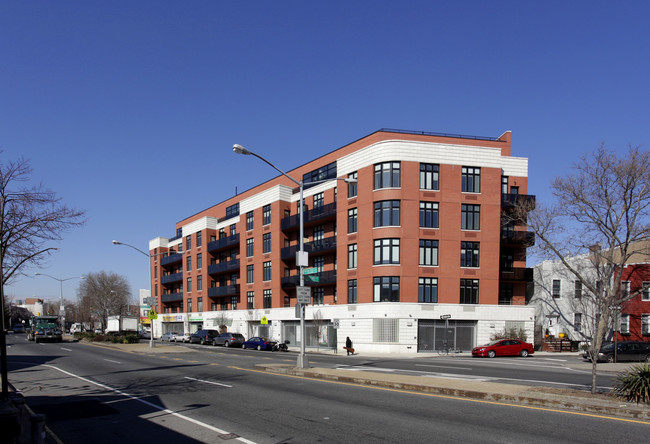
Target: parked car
[625,351]
[203,337]
[167,337]
[504,347]
[19,328]
[259,343]
[181,337]
[229,339]
[144,334]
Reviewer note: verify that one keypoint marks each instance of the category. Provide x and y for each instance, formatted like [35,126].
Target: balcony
[170,278]
[518,200]
[311,280]
[171,259]
[223,267]
[518,237]
[517,275]
[225,290]
[172,297]
[223,243]
[319,246]
[310,216]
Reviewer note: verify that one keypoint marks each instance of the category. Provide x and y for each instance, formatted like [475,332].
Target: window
[385,330]
[232,211]
[645,293]
[624,326]
[625,289]
[250,274]
[387,213]
[199,304]
[319,296]
[429,214]
[471,180]
[319,262]
[429,176]
[189,285]
[577,321]
[222,233]
[188,263]
[352,220]
[386,251]
[319,200]
[267,271]
[189,305]
[507,260]
[506,293]
[266,214]
[504,184]
[352,186]
[250,244]
[352,256]
[233,229]
[319,233]
[470,217]
[250,300]
[199,261]
[266,243]
[577,289]
[469,291]
[645,324]
[267,298]
[233,302]
[319,174]
[213,306]
[352,291]
[199,239]
[555,292]
[469,254]
[387,175]
[188,242]
[428,252]
[199,283]
[428,290]
[386,289]
[249,220]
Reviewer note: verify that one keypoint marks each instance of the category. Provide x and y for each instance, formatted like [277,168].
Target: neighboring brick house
[634,318]
[417,237]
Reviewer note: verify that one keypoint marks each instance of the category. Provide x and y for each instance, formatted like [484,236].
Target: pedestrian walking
[348,345]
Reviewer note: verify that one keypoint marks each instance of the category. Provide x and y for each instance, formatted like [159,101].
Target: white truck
[122,324]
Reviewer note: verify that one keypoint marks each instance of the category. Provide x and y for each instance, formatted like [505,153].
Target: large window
[471,180]
[645,324]
[266,214]
[387,175]
[249,220]
[199,261]
[199,239]
[319,233]
[577,289]
[386,251]
[577,321]
[429,176]
[429,214]
[199,305]
[232,211]
[319,200]
[189,305]
[199,283]
[266,243]
[624,326]
[188,262]
[428,252]
[352,186]
[189,285]
[555,291]
[319,174]
[469,254]
[352,220]
[250,244]
[352,256]
[387,213]
[318,296]
[267,271]
[267,298]
[645,293]
[386,289]
[250,300]
[250,274]
[470,217]
[352,291]
[469,291]
[427,290]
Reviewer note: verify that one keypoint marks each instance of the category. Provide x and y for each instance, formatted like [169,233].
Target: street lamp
[61,307]
[302,258]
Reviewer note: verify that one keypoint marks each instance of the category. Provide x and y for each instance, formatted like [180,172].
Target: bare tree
[104,294]
[601,212]
[30,218]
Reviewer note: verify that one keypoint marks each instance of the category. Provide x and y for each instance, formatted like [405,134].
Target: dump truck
[45,328]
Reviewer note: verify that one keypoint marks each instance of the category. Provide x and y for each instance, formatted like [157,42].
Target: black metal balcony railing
[518,237]
[171,259]
[223,267]
[517,274]
[312,215]
[174,277]
[312,280]
[319,246]
[513,200]
[222,243]
[172,297]
[225,290]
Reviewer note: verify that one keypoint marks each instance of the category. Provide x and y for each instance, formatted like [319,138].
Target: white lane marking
[208,382]
[66,349]
[443,366]
[110,360]
[152,405]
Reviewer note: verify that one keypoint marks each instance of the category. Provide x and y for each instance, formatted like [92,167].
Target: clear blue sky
[129,109]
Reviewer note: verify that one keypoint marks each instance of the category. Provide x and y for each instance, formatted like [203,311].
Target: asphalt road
[99,395]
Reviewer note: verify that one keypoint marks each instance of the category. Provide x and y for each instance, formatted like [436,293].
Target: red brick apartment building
[418,236]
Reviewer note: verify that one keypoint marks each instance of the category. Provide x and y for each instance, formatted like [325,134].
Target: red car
[504,347]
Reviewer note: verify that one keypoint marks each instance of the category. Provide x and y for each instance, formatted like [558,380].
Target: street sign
[303,295]
[149,301]
[335,323]
[311,270]
[264,320]
[312,278]
[445,316]
[152,314]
